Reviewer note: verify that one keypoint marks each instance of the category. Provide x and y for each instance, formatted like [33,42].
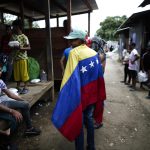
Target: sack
[142,76]
[33,68]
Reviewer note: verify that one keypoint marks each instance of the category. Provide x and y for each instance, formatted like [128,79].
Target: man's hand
[17,115]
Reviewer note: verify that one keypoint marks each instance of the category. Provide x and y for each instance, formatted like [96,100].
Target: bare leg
[6,132]
[18,84]
[26,85]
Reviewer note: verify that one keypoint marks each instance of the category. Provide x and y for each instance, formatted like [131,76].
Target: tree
[109,27]
[9,18]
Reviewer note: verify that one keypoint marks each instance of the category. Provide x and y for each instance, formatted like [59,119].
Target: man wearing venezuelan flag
[81,94]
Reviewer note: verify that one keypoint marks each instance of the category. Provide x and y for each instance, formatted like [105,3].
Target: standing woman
[20,56]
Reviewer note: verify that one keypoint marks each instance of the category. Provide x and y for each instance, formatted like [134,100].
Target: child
[20,57]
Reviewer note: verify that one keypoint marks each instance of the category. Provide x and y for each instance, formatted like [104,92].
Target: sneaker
[130,86]
[147,97]
[33,131]
[132,89]
[98,125]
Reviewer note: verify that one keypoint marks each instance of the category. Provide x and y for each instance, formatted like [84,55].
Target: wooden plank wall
[38,47]
[37,39]
[58,46]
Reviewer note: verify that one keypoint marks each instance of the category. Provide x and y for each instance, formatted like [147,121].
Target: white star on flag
[83,69]
[91,64]
[97,61]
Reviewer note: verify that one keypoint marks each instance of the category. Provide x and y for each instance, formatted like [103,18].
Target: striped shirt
[2,86]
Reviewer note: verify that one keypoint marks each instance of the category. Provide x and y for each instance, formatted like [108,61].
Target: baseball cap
[76,34]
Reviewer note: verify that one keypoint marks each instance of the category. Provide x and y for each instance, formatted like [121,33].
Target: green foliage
[35,25]
[9,18]
[109,26]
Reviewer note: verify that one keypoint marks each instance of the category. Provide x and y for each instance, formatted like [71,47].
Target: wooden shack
[135,29]
[47,44]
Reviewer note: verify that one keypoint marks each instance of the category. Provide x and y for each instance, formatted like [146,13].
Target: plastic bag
[33,68]
[142,76]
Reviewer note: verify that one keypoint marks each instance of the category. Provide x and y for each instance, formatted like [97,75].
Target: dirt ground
[126,119]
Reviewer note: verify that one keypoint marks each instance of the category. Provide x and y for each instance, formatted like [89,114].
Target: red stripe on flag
[93,92]
[72,127]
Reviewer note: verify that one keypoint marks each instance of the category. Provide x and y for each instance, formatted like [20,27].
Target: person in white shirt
[125,59]
[133,65]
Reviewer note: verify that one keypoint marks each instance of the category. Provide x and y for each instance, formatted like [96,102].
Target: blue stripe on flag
[69,92]
[90,69]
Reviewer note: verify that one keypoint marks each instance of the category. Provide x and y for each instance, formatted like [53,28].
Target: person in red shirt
[88,41]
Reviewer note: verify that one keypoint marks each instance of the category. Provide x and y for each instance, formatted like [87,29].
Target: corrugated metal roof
[135,17]
[121,30]
[144,3]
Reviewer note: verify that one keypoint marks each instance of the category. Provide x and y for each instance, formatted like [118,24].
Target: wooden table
[36,92]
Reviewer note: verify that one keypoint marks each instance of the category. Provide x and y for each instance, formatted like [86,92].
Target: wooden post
[57,19]
[49,54]
[30,23]
[89,17]
[69,16]
[2,17]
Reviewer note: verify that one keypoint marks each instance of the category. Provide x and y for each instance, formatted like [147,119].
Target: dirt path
[126,119]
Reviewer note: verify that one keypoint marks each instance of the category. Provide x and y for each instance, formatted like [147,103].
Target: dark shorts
[133,74]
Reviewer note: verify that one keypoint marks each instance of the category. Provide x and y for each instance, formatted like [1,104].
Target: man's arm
[25,48]
[13,112]
[62,64]
[103,61]
[12,95]
[136,58]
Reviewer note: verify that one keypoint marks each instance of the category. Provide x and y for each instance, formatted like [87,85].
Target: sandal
[19,90]
[24,91]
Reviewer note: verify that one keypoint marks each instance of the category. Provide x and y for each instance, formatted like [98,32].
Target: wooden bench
[36,92]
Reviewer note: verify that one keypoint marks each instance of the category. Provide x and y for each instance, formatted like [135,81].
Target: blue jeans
[23,106]
[12,123]
[88,119]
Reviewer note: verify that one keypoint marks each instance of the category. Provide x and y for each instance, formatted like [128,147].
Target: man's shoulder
[135,50]
[67,49]
[2,83]
[83,52]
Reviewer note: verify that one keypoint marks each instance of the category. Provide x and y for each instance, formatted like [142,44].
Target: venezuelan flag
[82,85]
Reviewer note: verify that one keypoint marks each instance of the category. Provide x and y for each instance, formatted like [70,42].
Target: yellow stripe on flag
[77,54]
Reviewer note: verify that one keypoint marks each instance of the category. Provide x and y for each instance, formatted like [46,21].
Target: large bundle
[33,68]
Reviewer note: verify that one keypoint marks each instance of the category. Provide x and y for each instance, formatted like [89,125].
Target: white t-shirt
[132,57]
[125,55]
